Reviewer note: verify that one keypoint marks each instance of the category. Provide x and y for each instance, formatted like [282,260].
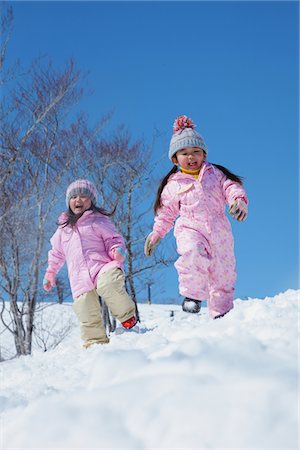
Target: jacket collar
[178,176]
[64,216]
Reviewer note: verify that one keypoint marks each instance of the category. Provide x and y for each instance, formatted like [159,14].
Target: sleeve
[56,256]
[232,190]
[112,239]
[168,212]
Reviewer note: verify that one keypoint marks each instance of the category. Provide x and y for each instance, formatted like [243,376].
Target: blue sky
[231,66]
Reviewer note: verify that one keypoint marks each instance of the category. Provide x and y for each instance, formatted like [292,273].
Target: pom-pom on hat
[83,187]
[185,135]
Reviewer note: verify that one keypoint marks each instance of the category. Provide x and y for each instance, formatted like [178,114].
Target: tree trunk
[130,253]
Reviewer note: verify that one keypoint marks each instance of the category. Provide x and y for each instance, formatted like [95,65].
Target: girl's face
[80,203]
[190,158]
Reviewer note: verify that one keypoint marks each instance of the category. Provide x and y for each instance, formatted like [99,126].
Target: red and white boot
[129,323]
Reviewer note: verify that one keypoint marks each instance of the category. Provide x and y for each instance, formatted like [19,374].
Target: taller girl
[197,191]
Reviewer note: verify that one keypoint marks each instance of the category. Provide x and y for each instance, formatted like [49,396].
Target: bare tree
[127,182]
[43,147]
[34,159]
[51,328]
[6,26]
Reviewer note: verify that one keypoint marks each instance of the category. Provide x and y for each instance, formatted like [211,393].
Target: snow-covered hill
[184,382]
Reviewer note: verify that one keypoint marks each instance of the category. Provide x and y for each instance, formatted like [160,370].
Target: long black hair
[227,173]
[72,218]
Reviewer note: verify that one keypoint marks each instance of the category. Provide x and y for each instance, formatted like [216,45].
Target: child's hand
[49,281]
[151,241]
[118,254]
[239,210]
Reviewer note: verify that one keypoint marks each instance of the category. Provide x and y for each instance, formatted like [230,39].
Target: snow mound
[182,382]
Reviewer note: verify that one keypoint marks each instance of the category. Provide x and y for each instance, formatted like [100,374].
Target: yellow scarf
[194,173]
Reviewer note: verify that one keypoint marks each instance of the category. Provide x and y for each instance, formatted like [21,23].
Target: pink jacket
[200,203]
[87,249]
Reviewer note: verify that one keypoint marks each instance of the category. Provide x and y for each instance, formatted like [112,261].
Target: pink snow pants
[206,265]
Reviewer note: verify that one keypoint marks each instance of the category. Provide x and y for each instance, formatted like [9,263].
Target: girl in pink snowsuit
[198,193]
[94,251]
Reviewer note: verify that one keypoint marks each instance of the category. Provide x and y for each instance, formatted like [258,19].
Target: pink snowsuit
[206,265]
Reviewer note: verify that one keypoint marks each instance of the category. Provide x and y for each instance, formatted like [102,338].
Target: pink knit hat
[184,135]
[83,187]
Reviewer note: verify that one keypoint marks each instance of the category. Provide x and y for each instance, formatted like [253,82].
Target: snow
[183,382]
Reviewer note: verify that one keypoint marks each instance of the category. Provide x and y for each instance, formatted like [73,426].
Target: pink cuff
[154,237]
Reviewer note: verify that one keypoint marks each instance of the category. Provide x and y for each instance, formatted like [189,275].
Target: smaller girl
[197,191]
[94,251]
